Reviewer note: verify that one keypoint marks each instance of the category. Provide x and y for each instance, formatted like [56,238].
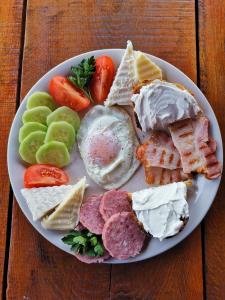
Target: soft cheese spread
[162,103]
[162,210]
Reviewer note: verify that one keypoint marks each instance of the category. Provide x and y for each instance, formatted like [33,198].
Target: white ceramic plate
[200,199]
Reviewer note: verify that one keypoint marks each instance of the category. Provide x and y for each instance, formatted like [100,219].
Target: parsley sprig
[82,74]
[84,242]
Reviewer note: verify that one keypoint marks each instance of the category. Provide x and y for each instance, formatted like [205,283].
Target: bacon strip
[197,150]
[159,151]
[157,175]
[161,160]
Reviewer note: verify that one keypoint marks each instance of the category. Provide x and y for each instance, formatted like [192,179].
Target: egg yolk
[103,148]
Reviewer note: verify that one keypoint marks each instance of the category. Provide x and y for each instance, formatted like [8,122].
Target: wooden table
[37,35]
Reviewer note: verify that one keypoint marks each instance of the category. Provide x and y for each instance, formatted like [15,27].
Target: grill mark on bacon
[179,164]
[180,126]
[203,147]
[162,156]
[211,164]
[184,135]
[186,154]
[162,177]
[171,158]
[208,155]
[193,161]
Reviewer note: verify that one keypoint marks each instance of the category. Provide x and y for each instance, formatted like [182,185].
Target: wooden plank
[10,33]
[212,82]
[173,275]
[57,31]
[166,29]
[38,269]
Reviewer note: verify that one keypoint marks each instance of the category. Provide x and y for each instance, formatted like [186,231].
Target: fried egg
[107,143]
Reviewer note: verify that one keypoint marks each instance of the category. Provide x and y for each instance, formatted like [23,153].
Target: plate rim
[120,51]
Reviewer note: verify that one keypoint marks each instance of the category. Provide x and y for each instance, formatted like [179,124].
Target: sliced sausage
[90,216]
[114,202]
[122,236]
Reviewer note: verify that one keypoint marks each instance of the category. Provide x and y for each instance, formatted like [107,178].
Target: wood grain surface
[56,30]
[10,33]
[212,83]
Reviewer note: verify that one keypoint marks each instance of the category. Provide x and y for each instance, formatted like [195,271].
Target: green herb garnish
[84,242]
[82,74]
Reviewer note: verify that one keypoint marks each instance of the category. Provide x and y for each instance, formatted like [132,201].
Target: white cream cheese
[162,103]
[162,210]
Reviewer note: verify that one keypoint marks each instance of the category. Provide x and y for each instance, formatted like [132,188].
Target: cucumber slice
[62,132]
[53,153]
[37,114]
[29,127]
[66,114]
[41,99]
[30,145]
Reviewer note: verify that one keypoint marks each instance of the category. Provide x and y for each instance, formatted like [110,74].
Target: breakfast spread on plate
[118,121]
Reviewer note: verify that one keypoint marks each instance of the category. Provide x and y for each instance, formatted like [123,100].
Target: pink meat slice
[91,260]
[90,216]
[196,148]
[122,236]
[161,160]
[114,202]
[159,151]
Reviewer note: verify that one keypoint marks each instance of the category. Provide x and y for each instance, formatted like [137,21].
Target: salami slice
[91,260]
[122,236]
[90,216]
[114,202]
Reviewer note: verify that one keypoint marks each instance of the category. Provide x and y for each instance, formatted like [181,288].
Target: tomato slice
[102,78]
[41,175]
[66,94]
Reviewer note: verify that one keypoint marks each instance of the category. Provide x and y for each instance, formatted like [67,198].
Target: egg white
[117,122]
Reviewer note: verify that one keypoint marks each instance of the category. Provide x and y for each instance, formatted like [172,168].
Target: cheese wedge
[66,215]
[121,89]
[146,69]
[44,199]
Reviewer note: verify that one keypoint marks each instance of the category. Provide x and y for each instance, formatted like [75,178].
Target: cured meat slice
[159,151]
[114,202]
[161,160]
[196,149]
[90,216]
[157,175]
[122,236]
[90,259]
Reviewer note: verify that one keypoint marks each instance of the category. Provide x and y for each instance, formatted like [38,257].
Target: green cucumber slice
[29,127]
[30,145]
[37,114]
[53,153]
[62,132]
[41,99]
[66,114]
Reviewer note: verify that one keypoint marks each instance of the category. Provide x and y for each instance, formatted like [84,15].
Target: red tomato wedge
[102,79]
[66,94]
[44,175]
